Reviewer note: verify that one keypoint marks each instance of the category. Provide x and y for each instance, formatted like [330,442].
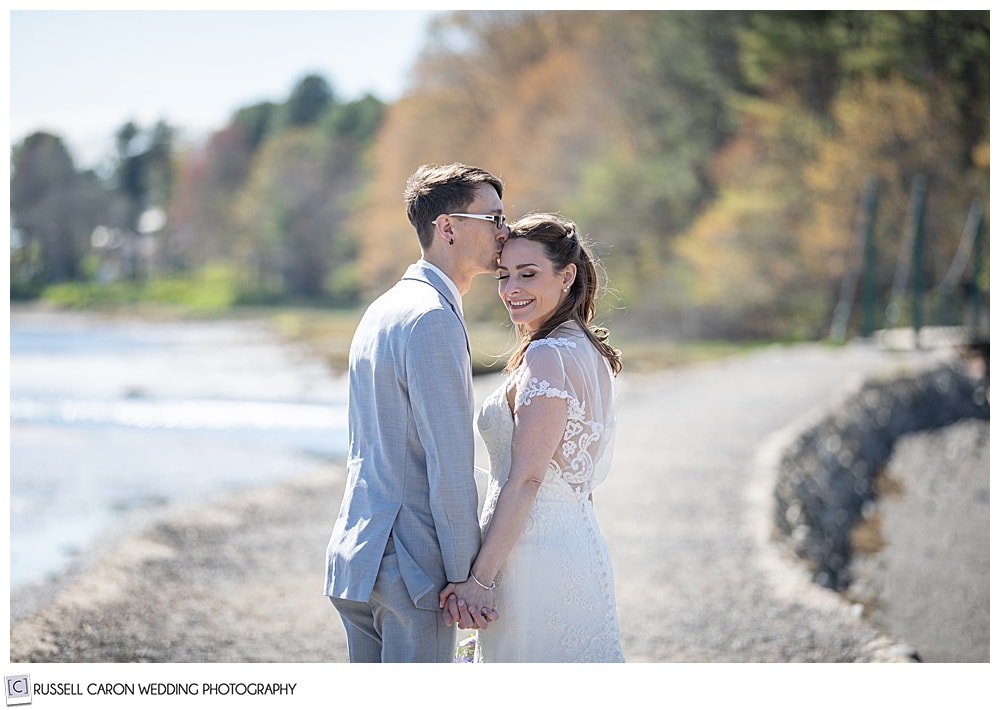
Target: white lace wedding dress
[556,591]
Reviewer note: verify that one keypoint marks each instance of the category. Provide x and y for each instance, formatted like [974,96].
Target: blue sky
[82,74]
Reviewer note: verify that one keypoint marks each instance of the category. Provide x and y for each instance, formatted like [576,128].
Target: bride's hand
[472,606]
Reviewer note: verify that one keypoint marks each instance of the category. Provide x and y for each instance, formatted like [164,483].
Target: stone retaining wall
[826,475]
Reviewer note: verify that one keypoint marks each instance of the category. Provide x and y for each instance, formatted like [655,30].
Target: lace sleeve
[544,374]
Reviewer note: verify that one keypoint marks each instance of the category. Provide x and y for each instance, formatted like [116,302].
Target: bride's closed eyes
[525,271]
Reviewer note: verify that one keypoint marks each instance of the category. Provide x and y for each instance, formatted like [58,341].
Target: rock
[828,475]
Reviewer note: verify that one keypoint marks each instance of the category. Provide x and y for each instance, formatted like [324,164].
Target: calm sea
[112,419]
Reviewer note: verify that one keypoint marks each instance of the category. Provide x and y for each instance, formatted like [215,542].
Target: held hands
[468,604]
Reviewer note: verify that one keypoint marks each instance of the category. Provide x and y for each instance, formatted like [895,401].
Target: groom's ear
[443,228]
[443,223]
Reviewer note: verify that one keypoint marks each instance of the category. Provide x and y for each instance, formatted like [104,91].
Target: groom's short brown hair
[434,190]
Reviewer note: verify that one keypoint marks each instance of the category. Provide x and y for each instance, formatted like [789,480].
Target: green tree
[295,207]
[275,196]
[800,51]
[143,176]
[831,99]
[672,75]
[310,99]
[130,173]
[143,171]
[159,165]
[815,53]
[255,123]
[355,122]
[739,270]
[54,209]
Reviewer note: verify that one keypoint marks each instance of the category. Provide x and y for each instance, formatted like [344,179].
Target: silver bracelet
[489,588]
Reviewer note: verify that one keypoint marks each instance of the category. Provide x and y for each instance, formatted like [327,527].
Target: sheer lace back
[564,365]
[569,367]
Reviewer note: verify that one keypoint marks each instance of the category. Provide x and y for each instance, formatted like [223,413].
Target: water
[111,419]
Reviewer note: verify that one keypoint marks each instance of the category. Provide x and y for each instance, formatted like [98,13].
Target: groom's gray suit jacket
[411,456]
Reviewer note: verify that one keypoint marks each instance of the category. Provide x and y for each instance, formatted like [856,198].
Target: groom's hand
[469,605]
[449,603]
[470,617]
[457,612]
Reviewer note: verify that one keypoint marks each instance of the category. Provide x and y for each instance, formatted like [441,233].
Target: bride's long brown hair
[563,246]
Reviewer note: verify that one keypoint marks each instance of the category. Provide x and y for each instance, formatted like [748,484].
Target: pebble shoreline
[238,580]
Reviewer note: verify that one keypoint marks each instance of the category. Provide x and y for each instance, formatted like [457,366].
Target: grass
[328,331]
[210,292]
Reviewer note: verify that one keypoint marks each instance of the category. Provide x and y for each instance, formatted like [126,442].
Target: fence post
[862,247]
[977,266]
[919,198]
[968,250]
[868,284]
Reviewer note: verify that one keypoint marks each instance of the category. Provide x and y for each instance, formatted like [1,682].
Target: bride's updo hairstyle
[563,246]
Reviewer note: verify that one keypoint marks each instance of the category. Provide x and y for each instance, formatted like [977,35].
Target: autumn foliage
[715,158]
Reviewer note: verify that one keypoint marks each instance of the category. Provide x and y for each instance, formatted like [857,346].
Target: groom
[408,521]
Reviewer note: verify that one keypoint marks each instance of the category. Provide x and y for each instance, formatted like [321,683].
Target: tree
[888,130]
[739,265]
[143,177]
[945,53]
[275,196]
[830,100]
[143,171]
[54,210]
[256,123]
[670,76]
[310,99]
[209,178]
[942,52]
[514,92]
[355,122]
[130,173]
[294,209]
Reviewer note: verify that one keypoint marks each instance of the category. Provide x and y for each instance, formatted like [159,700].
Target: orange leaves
[531,108]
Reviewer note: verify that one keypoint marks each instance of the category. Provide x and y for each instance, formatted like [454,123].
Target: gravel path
[930,582]
[685,511]
[688,517]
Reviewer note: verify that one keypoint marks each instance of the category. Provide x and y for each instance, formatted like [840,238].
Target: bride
[549,430]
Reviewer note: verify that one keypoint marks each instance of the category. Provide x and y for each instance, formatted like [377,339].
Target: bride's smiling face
[530,287]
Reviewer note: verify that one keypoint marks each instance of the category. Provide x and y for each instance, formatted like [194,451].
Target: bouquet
[465,652]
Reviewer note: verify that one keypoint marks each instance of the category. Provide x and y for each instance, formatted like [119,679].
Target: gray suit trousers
[388,629]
